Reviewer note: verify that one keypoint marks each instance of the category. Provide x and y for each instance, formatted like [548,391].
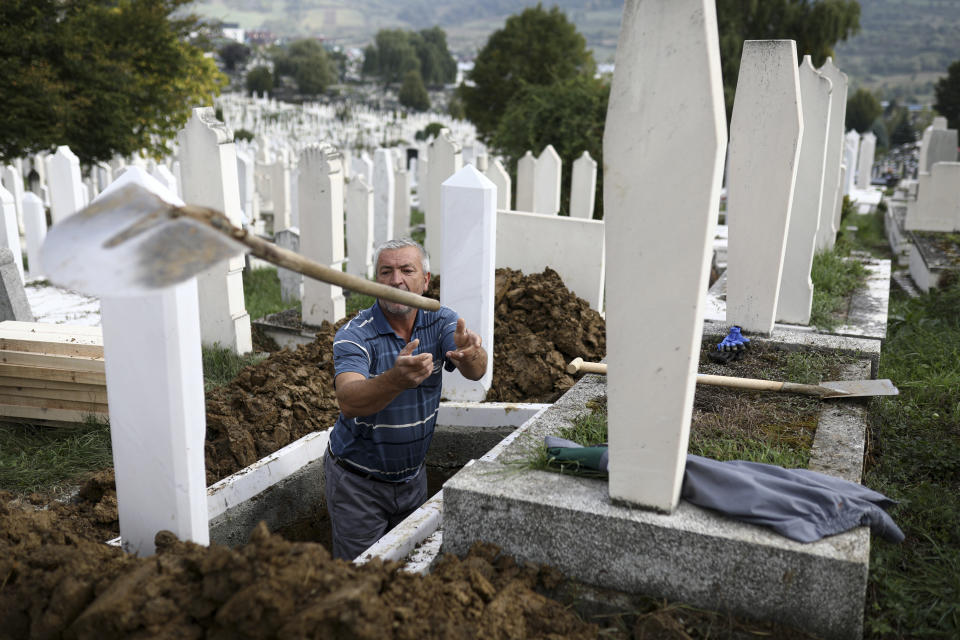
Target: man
[388,362]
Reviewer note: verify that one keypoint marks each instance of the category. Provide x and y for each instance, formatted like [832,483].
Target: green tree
[395,55]
[569,114]
[947,91]
[816,26]
[863,109]
[437,66]
[259,80]
[233,54]
[535,47]
[395,52]
[305,61]
[412,93]
[104,77]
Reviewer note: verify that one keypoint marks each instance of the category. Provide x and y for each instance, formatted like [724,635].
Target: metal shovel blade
[129,243]
[854,388]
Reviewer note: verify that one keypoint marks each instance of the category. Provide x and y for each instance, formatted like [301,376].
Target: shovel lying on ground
[834,389]
[132,241]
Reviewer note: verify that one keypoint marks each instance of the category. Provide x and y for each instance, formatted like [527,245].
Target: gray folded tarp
[800,504]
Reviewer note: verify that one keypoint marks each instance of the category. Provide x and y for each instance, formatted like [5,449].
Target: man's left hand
[469,352]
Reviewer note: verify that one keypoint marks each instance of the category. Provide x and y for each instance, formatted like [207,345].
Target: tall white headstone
[832,198]
[445,160]
[384,186]
[157,412]
[248,196]
[546,178]
[280,192]
[765,135]
[796,287]
[321,240]
[34,231]
[941,147]
[868,147]
[938,200]
[401,204]
[652,123]
[65,184]
[583,187]
[9,232]
[526,182]
[291,282]
[501,180]
[359,228]
[851,150]
[208,167]
[12,179]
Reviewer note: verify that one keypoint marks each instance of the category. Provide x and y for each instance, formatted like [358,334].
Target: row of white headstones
[663,151]
[934,197]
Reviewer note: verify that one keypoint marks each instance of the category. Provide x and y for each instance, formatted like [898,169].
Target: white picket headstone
[938,200]
[291,282]
[832,198]
[583,187]
[526,182]
[469,205]
[546,178]
[765,135]
[34,231]
[359,228]
[66,187]
[363,166]
[384,186]
[248,195]
[868,147]
[796,287]
[501,179]
[851,149]
[280,192]
[12,179]
[154,371]
[9,232]
[209,178]
[401,204]
[321,219]
[445,160]
[652,123]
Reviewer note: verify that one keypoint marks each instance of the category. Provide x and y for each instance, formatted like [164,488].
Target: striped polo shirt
[392,443]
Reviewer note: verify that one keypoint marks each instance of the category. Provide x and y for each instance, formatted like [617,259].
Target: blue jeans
[363,510]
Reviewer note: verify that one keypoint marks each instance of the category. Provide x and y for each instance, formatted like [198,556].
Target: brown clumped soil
[56,584]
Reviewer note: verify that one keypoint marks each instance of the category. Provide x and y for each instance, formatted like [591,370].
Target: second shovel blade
[853,388]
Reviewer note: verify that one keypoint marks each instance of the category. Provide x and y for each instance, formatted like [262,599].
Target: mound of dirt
[57,584]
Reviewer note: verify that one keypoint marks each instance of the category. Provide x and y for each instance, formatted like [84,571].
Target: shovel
[132,241]
[834,389]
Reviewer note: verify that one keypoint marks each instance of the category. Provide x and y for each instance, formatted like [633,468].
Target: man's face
[402,269]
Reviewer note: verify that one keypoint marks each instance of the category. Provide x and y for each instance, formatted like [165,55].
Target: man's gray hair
[400,243]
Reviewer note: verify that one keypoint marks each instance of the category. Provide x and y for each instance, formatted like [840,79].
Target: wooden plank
[68,363]
[47,416]
[48,403]
[10,381]
[96,397]
[53,374]
[67,346]
[47,329]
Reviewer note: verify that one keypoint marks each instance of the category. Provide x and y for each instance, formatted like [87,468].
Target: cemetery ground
[54,560]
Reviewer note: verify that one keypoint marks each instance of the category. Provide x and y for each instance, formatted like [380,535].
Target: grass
[834,279]
[47,459]
[221,365]
[416,219]
[261,293]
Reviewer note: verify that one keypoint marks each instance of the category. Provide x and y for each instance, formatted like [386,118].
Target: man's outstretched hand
[413,369]
[469,357]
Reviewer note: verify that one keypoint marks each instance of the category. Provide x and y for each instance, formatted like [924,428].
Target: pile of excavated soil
[57,584]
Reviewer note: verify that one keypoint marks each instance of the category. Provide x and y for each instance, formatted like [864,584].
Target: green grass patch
[834,279]
[47,459]
[261,293]
[870,235]
[914,588]
[358,301]
[417,218]
[221,365]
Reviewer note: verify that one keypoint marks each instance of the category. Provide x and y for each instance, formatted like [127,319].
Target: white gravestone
[832,198]
[208,168]
[501,179]
[938,200]
[583,187]
[291,282]
[851,149]
[321,240]
[652,123]
[359,228]
[939,123]
[280,192]
[363,167]
[526,182]
[941,147]
[9,232]
[66,187]
[34,231]
[868,147]
[469,204]
[154,372]
[401,204]
[796,287]
[164,176]
[765,135]
[248,195]
[13,180]
[384,184]
[546,182]
[445,160]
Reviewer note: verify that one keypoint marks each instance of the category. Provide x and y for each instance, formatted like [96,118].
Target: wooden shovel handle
[295,262]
